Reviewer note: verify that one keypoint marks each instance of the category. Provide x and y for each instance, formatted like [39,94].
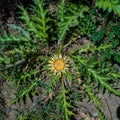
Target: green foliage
[109,5]
[65,105]
[68,18]
[25,57]
[101,116]
[88,90]
[98,36]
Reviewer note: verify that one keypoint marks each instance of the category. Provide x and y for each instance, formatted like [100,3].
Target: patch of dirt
[110,102]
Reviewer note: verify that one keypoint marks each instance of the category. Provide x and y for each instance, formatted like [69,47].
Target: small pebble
[7,110]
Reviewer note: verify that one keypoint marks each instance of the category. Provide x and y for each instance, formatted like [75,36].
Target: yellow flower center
[59,64]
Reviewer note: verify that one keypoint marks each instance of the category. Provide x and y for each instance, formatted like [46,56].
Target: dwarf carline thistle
[58,64]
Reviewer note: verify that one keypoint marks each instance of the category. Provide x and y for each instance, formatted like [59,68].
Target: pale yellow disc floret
[58,64]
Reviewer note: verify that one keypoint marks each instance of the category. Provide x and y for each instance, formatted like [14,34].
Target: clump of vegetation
[47,53]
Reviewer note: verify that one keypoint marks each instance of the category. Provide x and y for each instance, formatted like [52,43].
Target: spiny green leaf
[24,92]
[117,9]
[91,94]
[101,116]
[115,1]
[103,82]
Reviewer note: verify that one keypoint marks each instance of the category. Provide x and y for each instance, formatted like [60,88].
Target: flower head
[59,64]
